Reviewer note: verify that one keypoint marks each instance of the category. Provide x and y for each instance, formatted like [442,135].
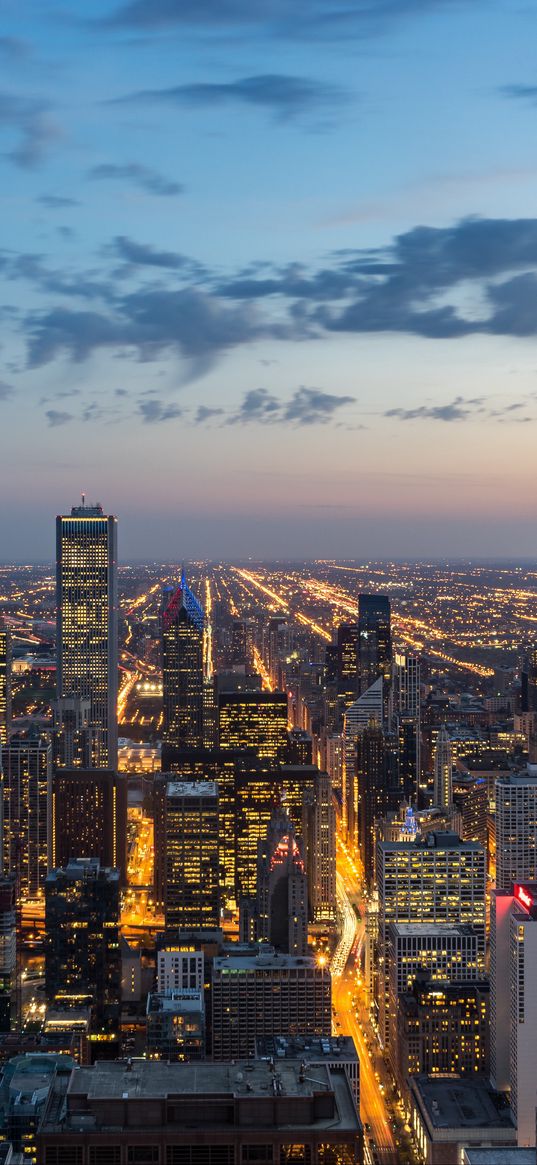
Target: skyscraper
[182,670]
[443,764]
[368,706]
[86,597]
[89,818]
[5,681]
[82,953]
[27,766]
[192,898]
[439,880]
[280,909]
[347,662]
[516,828]
[374,640]
[256,721]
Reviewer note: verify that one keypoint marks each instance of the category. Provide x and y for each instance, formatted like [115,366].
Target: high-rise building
[406,683]
[374,641]
[438,879]
[369,706]
[72,735]
[82,952]
[257,793]
[267,995]
[256,721]
[513,957]
[8,949]
[89,818]
[191,894]
[280,909]
[471,799]
[443,764]
[86,597]
[182,670]
[27,767]
[516,828]
[442,1028]
[348,681]
[5,682]
[319,840]
[372,771]
[528,681]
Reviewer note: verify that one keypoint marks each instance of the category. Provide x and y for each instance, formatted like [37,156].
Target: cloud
[56,418]
[153,411]
[6,390]
[326,19]
[478,276]
[307,406]
[258,405]
[13,49]
[520,92]
[311,406]
[205,414]
[141,254]
[56,201]
[285,96]
[30,119]
[187,322]
[460,409]
[137,175]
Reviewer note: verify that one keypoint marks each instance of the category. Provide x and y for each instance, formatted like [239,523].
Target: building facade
[86,599]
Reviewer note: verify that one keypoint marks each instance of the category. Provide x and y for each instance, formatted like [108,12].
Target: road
[346,991]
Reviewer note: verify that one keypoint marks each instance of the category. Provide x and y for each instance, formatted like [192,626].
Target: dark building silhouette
[279,913]
[182,669]
[26,766]
[82,951]
[374,641]
[348,680]
[5,681]
[89,818]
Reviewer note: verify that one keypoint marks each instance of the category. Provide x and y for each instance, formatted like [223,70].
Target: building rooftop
[175,1002]
[433,840]
[306,1047]
[526,776]
[423,929]
[263,962]
[83,870]
[504,1156]
[192,789]
[461,1103]
[113,1093]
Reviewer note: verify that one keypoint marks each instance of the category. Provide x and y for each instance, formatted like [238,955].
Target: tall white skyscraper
[86,595]
[443,764]
[406,683]
[369,706]
[516,828]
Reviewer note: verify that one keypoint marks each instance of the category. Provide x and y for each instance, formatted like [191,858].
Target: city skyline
[286,254]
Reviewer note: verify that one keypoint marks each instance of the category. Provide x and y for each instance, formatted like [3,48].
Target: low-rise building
[449,1112]
[207,1114]
[176,1025]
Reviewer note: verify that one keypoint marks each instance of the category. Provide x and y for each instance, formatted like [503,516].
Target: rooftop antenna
[83,501]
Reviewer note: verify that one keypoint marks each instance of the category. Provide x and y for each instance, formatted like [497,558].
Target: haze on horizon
[270,276]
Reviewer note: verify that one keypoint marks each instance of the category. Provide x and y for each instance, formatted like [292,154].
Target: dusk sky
[270,275]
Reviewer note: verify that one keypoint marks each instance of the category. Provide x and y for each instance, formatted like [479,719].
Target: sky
[269,276]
